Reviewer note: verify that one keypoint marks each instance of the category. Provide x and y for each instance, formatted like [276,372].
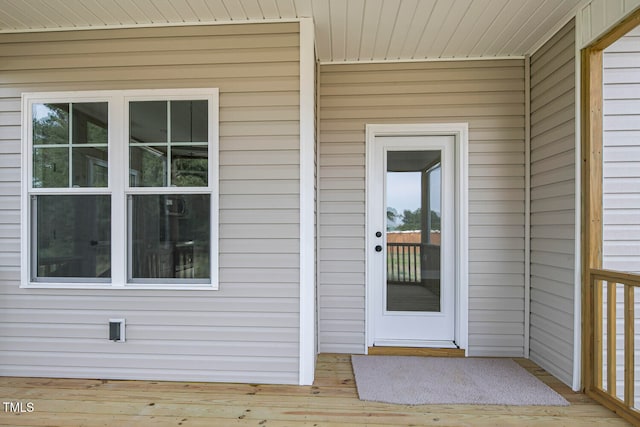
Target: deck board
[332,401]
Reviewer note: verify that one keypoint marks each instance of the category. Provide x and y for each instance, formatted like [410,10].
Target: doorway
[416,237]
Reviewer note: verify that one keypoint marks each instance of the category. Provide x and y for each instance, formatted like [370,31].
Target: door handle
[378,248]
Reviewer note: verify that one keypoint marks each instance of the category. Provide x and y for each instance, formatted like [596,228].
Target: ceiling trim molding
[395,61]
[152,25]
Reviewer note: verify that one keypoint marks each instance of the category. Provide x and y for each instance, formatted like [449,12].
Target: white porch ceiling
[346,30]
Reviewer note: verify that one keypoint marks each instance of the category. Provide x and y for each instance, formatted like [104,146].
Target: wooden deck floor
[332,401]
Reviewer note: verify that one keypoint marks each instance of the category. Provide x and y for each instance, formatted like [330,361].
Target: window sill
[129,286]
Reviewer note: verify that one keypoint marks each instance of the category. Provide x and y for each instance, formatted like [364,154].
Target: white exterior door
[412,218]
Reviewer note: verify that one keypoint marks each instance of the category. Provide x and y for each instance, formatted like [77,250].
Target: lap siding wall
[553,203]
[248,331]
[489,95]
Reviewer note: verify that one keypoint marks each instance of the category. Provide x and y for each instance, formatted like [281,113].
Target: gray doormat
[409,380]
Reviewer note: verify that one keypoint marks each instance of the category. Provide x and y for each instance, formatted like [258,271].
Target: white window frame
[118,185]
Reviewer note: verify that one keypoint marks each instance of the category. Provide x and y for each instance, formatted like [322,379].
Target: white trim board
[153,25]
[577,258]
[461,133]
[411,60]
[307,205]
[527,207]
[118,186]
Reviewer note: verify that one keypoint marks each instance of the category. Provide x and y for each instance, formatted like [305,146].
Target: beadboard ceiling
[346,30]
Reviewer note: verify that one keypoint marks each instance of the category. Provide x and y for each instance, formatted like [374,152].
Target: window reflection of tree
[73,232]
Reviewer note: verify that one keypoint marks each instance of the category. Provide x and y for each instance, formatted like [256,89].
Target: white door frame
[460,131]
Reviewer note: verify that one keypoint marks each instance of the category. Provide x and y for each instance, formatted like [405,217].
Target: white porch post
[307,204]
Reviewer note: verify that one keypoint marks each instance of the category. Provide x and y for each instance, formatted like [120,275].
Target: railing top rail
[629,279]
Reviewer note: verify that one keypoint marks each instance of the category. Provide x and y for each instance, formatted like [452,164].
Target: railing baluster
[394,263]
[403,262]
[398,257]
[397,277]
[611,337]
[629,335]
[401,265]
[597,332]
[390,267]
[594,386]
[416,251]
[409,262]
[390,255]
[409,265]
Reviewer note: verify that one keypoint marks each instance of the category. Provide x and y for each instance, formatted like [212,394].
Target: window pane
[90,167]
[50,124]
[148,121]
[189,166]
[73,235]
[170,236]
[90,123]
[148,166]
[189,121]
[50,167]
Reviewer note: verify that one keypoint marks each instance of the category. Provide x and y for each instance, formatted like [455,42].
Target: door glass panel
[413,201]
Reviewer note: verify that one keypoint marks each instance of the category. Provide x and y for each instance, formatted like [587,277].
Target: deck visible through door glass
[413,201]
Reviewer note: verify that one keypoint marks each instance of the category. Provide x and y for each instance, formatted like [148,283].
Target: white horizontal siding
[553,204]
[621,179]
[248,331]
[489,95]
[621,155]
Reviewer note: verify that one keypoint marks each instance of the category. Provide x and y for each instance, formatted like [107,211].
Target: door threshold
[416,351]
[415,343]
